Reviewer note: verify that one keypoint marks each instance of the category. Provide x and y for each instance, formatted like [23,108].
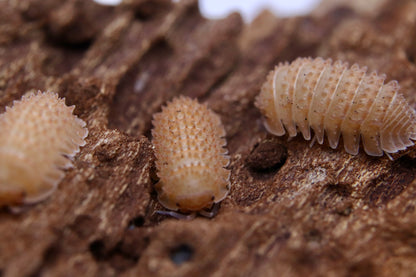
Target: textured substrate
[292,210]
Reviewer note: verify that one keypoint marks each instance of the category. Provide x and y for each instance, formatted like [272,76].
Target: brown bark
[292,210]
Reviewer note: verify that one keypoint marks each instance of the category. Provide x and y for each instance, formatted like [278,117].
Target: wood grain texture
[306,211]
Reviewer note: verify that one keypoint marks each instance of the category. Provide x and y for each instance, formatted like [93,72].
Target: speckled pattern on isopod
[188,140]
[334,99]
[38,135]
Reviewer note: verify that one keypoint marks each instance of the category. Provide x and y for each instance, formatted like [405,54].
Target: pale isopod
[334,99]
[38,135]
[190,156]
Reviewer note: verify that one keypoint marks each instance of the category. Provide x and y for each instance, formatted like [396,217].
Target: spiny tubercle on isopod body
[190,156]
[334,99]
[38,135]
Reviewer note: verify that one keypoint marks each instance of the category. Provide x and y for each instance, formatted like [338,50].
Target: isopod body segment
[333,99]
[188,140]
[39,134]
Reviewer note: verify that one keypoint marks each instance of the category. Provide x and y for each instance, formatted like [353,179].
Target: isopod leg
[18,209]
[390,157]
[213,212]
[312,141]
[177,215]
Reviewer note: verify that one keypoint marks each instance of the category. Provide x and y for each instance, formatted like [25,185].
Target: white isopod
[38,135]
[334,99]
[189,148]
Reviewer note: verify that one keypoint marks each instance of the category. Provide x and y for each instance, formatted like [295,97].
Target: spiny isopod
[332,98]
[38,135]
[188,140]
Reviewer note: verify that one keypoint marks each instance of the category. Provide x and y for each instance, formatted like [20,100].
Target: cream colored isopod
[334,99]
[188,140]
[37,136]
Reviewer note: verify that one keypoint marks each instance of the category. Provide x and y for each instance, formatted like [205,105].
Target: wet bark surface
[293,210]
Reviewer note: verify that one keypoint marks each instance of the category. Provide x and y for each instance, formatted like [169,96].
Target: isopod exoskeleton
[38,135]
[332,98]
[188,140]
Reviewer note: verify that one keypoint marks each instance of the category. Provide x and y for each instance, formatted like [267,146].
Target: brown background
[292,210]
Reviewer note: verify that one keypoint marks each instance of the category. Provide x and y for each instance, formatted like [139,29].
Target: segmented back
[334,99]
[38,135]
[188,143]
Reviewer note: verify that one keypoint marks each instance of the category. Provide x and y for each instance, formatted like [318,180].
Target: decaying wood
[292,210]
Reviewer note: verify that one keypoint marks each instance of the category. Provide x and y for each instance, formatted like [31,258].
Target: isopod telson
[335,99]
[188,140]
[38,135]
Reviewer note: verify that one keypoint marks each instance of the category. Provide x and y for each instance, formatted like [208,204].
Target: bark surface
[292,210]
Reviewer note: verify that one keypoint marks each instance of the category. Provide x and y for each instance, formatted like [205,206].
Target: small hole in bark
[122,256]
[343,190]
[50,255]
[362,268]
[97,249]
[136,222]
[411,56]
[267,156]
[181,254]
[313,235]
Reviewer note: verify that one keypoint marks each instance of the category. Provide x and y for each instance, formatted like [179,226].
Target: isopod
[188,140]
[334,99]
[38,135]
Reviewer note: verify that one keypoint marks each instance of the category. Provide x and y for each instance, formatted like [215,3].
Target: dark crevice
[116,257]
[62,57]
[208,74]
[220,81]
[150,9]
[82,22]
[136,87]
[181,254]
[59,44]
[50,257]
[411,50]
[97,249]
[336,198]
[362,268]
[387,186]
[313,235]
[342,190]
[136,222]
